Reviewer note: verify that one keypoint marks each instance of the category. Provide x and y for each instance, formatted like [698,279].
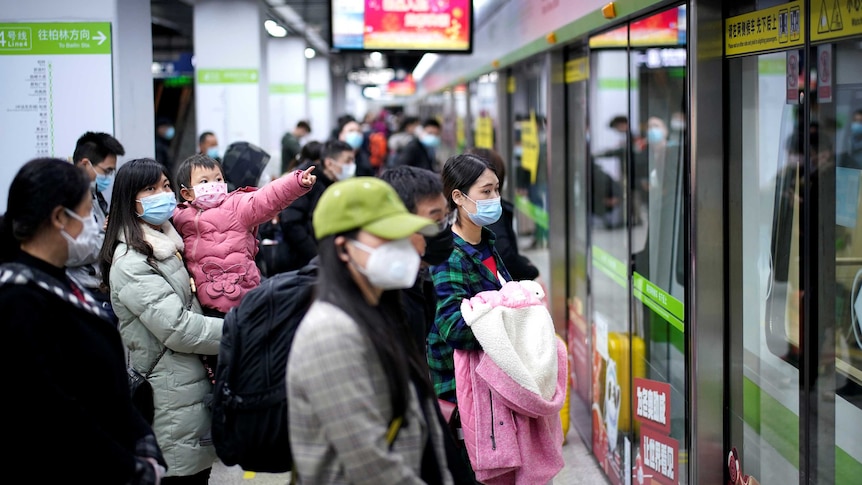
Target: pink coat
[512,435]
[221,244]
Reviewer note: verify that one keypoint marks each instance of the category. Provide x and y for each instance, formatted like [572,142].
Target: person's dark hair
[304,125]
[184,170]
[39,187]
[460,172]
[204,136]
[96,147]
[343,121]
[431,122]
[384,325]
[493,157]
[413,184]
[334,148]
[131,178]
[617,120]
[407,121]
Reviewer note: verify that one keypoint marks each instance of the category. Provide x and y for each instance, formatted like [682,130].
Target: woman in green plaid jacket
[471,186]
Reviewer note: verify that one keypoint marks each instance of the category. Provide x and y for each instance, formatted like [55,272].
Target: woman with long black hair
[160,318]
[362,408]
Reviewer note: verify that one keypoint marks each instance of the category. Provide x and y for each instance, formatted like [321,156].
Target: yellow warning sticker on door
[763,30]
[831,19]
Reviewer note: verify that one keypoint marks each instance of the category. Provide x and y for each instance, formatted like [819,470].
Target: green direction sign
[55,38]
[227,76]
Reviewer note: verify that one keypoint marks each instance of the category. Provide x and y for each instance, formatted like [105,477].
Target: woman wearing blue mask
[160,319]
[473,192]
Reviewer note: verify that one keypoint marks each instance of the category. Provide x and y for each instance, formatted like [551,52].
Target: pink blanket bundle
[510,393]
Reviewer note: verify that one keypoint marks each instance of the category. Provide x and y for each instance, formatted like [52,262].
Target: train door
[638,140]
[794,173]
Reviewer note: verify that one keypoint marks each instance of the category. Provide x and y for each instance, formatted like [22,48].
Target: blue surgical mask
[487,211]
[354,139]
[856,127]
[431,141]
[158,208]
[212,152]
[655,134]
[170,132]
[103,181]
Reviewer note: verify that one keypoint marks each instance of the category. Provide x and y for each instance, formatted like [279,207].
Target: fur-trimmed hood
[165,243]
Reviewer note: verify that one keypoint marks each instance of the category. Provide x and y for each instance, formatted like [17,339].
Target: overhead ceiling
[173,35]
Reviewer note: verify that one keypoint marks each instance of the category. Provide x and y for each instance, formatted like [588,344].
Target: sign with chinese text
[530,146]
[831,19]
[577,70]
[652,404]
[824,73]
[485,132]
[659,456]
[763,30]
[57,83]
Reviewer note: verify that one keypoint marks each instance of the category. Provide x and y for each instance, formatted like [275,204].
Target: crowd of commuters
[145,262]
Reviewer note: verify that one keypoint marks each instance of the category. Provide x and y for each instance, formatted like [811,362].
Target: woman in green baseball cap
[362,407]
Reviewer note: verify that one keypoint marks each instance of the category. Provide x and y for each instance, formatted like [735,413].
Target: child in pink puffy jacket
[219,228]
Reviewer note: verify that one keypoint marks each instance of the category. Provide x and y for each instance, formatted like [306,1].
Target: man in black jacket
[336,160]
[421,151]
[422,193]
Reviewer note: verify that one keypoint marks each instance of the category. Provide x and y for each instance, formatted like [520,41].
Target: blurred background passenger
[336,163]
[96,155]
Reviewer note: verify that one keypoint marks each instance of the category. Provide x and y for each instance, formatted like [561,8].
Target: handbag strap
[158,358]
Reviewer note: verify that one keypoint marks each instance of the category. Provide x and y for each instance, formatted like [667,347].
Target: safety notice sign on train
[764,30]
[831,19]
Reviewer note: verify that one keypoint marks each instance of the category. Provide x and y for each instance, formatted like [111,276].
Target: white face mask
[347,170]
[81,247]
[391,266]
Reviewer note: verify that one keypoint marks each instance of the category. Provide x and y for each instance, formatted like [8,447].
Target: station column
[288,102]
[230,70]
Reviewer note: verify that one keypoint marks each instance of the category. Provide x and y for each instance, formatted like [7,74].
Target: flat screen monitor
[444,26]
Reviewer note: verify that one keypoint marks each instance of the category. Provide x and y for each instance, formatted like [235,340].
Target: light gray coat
[157,309]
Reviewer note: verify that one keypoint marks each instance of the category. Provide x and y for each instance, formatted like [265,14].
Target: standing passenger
[421,191]
[519,266]
[68,405]
[160,319]
[336,163]
[473,191]
[362,408]
[96,155]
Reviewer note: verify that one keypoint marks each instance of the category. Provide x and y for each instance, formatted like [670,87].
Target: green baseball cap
[370,204]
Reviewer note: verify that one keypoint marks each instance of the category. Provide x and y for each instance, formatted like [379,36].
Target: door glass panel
[609,249]
[837,153]
[658,104]
[767,145]
[576,77]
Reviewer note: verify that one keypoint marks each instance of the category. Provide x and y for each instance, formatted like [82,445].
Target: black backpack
[249,408]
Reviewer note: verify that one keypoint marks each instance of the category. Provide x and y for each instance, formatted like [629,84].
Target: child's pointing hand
[306,178]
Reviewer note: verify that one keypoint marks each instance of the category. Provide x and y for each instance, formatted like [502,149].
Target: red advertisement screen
[403,25]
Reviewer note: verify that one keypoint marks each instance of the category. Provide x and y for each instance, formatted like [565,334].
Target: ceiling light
[273,29]
[372,92]
[375,56]
[425,64]
[310,53]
